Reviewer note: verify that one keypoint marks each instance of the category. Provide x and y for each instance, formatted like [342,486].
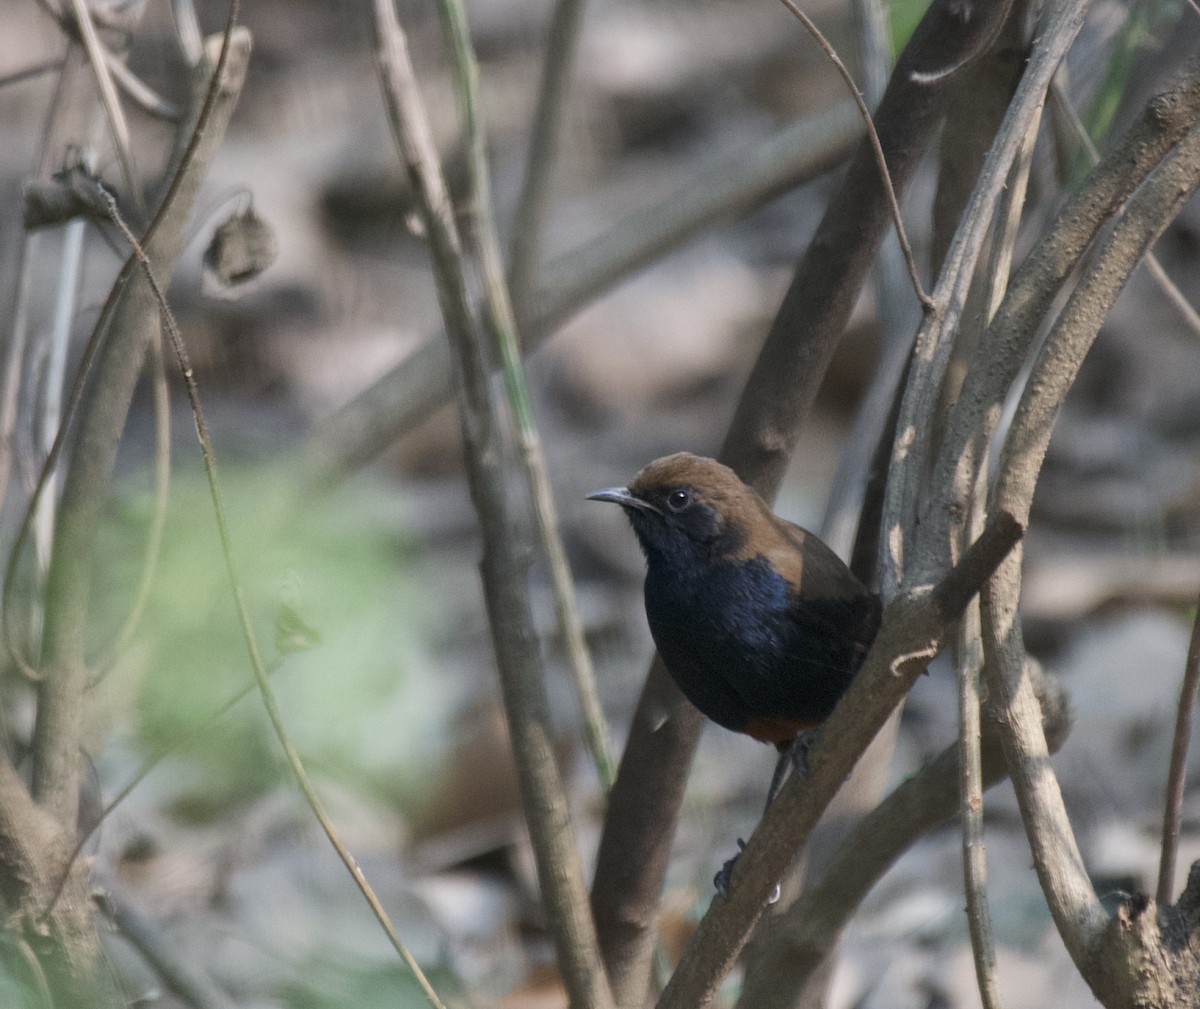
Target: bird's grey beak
[621,496]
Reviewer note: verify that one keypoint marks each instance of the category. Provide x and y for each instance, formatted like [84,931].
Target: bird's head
[684,502]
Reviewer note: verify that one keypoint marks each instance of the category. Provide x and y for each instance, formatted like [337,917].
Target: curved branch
[919,804]
[1077,913]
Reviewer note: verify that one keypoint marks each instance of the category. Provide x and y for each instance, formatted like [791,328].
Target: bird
[759,622]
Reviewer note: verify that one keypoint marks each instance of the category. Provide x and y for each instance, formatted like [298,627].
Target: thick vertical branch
[128,324]
[779,392]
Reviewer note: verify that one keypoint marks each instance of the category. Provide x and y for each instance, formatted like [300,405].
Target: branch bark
[51,892]
[997,359]
[128,322]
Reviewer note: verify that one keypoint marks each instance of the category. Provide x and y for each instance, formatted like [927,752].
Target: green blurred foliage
[331,587]
[1145,30]
[903,18]
[328,984]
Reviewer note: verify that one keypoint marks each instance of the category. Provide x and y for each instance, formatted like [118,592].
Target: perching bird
[759,622]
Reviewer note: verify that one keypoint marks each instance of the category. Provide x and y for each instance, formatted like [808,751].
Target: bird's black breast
[744,644]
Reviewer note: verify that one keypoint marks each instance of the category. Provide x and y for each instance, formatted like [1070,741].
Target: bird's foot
[799,750]
[795,756]
[722,879]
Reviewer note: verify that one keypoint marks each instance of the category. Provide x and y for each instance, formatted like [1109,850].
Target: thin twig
[529,225]
[139,92]
[1187,314]
[17,338]
[970,782]
[970,665]
[53,379]
[36,70]
[877,148]
[504,566]
[1177,774]
[251,641]
[843,521]
[187,31]
[481,225]
[160,398]
[112,104]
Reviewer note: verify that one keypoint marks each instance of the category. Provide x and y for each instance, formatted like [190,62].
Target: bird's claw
[724,875]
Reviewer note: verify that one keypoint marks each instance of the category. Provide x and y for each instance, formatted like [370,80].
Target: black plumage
[759,622]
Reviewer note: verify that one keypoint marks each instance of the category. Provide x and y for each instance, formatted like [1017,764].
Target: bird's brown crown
[713,484]
[746,526]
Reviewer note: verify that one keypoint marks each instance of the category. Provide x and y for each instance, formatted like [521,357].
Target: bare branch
[130,318]
[1177,774]
[1077,913]
[479,220]
[252,648]
[1062,21]
[827,281]
[524,254]
[1187,315]
[998,358]
[111,103]
[913,628]
[814,923]
[505,558]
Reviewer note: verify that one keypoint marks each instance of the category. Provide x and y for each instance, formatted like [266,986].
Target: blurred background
[365,582]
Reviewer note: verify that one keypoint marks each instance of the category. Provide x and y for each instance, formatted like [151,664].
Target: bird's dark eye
[678,499]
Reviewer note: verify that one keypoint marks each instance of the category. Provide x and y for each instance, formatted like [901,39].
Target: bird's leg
[795,756]
[801,747]
[779,776]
